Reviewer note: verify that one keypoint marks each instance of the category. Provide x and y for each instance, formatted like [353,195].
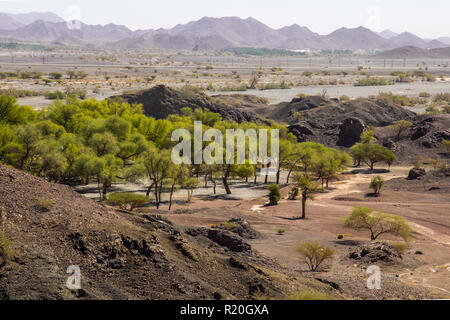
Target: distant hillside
[410,52]
[445,40]
[357,38]
[387,34]
[409,39]
[8,23]
[206,34]
[28,18]
[50,31]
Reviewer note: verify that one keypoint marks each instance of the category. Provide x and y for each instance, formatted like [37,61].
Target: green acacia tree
[377,223]
[371,154]
[307,189]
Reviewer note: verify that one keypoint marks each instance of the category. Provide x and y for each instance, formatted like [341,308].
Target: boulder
[373,252]
[350,132]
[301,132]
[228,240]
[416,173]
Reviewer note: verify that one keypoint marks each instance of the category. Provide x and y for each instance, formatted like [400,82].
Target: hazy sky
[426,18]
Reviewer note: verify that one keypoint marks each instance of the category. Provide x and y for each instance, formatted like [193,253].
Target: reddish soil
[427,212]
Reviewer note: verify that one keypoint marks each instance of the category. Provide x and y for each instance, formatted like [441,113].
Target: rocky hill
[161,101]
[411,52]
[121,255]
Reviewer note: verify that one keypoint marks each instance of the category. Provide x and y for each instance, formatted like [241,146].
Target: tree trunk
[278,176]
[105,190]
[289,175]
[226,186]
[304,198]
[171,196]
[156,196]
[149,189]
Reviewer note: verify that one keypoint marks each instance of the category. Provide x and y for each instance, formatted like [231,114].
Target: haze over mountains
[204,34]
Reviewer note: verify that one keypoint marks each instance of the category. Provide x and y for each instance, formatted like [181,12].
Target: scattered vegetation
[368,82]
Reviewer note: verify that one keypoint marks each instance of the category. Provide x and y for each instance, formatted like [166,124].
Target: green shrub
[400,247]
[274,195]
[126,201]
[314,254]
[56,95]
[293,194]
[442,97]
[7,251]
[372,82]
[446,144]
[229,226]
[45,203]
[276,86]
[281,231]
[376,184]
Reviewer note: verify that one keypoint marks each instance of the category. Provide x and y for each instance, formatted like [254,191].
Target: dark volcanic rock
[223,238]
[301,132]
[302,104]
[416,173]
[228,240]
[350,132]
[244,229]
[159,102]
[373,252]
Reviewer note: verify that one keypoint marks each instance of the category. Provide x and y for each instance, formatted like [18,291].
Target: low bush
[377,184]
[293,194]
[314,254]
[229,226]
[274,195]
[373,82]
[400,247]
[45,203]
[7,251]
[126,201]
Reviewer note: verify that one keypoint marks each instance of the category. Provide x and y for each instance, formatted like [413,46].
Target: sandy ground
[428,214]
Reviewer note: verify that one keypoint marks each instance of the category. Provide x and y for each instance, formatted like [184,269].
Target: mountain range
[205,34]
